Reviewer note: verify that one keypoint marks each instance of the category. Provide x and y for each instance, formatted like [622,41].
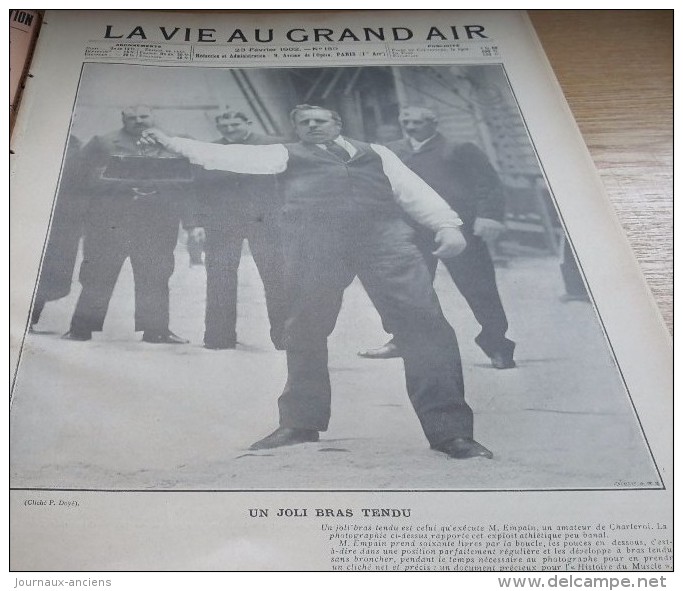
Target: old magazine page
[23,30]
[324,292]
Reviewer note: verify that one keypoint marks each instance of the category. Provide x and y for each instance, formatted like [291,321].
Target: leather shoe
[500,361]
[166,338]
[463,448]
[77,335]
[386,351]
[285,436]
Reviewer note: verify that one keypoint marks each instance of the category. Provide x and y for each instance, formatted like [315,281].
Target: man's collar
[339,140]
[134,137]
[417,145]
[343,143]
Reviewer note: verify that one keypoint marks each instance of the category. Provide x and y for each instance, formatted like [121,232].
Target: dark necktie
[338,151]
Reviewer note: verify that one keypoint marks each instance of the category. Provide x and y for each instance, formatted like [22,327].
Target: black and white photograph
[313,279]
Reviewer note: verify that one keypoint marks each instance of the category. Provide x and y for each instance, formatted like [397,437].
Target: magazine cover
[323,292]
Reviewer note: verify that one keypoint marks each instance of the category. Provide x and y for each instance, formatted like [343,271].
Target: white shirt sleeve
[241,158]
[416,197]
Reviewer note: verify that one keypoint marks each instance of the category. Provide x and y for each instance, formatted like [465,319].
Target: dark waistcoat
[318,181]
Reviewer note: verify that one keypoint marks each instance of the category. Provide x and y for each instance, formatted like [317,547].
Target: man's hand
[451,243]
[153,136]
[489,230]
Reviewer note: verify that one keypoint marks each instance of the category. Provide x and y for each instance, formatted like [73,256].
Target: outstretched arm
[241,158]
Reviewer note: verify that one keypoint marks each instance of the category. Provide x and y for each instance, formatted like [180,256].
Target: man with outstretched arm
[342,217]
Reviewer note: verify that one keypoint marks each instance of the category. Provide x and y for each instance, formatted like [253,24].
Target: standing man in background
[235,208]
[66,229]
[464,177]
[131,215]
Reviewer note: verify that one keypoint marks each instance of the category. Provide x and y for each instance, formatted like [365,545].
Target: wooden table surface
[616,70]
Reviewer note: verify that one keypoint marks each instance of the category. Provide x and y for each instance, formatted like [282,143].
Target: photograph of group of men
[319,206]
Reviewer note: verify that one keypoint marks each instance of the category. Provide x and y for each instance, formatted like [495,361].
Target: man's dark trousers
[323,254]
[474,275]
[146,230]
[222,259]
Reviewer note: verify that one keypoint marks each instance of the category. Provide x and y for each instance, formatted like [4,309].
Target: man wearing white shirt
[342,217]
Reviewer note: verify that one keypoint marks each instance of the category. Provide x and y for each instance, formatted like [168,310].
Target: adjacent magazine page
[323,292]
[23,30]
